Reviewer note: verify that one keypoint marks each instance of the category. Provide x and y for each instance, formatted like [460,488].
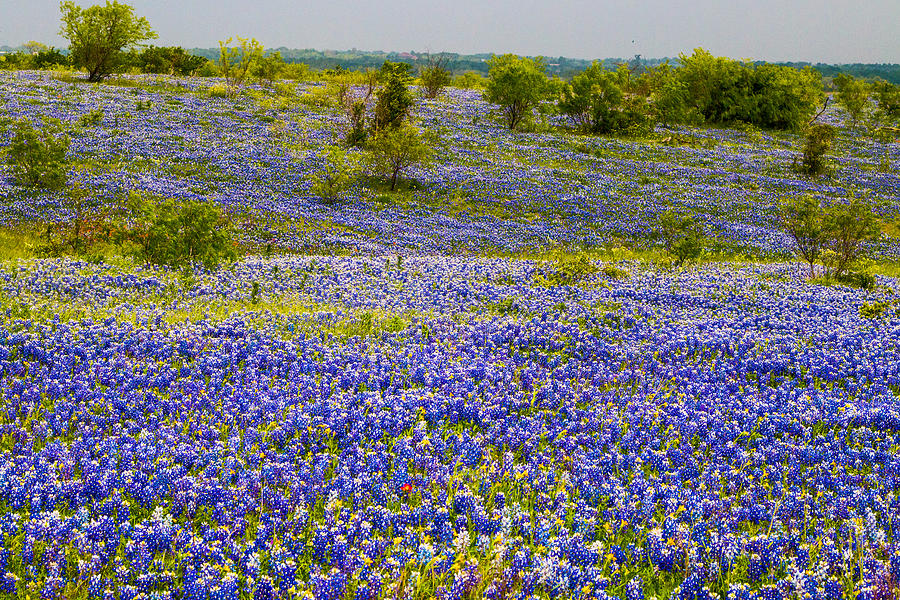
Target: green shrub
[217,90]
[338,173]
[569,270]
[395,149]
[517,85]
[393,98]
[178,235]
[873,310]
[681,236]
[435,75]
[819,138]
[91,119]
[37,157]
[614,272]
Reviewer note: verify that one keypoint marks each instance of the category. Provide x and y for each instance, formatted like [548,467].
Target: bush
[435,75]
[614,272]
[235,62]
[91,119]
[835,236]
[178,235]
[338,173]
[873,310]
[397,148]
[681,236]
[171,60]
[83,228]
[516,84]
[393,98]
[848,227]
[37,157]
[852,95]
[569,270]
[596,102]
[819,138]
[801,218]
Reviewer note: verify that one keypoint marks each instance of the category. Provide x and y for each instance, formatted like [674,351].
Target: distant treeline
[563,67]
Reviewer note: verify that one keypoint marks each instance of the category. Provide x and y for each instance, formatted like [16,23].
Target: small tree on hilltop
[681,236]
[802,218]
[393,98]
[819,138]
[435,75]
[236,62]
[395,149]
[852,95]
[517,84]
[848,227]
[98,35]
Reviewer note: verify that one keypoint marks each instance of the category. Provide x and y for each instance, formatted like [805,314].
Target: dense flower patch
[361,428]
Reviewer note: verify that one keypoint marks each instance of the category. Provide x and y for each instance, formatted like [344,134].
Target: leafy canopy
[37,157]
[99,34]
[395,149]
[517,84]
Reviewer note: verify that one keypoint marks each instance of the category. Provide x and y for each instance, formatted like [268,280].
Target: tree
[819,138]
[848,227]
[393,99]
[516,84]
[888,97]
[435,75]
[37,157]
[178,235]
[596,101]
[50,57]
[784,97]
[236,62]
[98,35]
[395,149]
[269,68]
[681,236]
[852,95]
[802,219]
[339,171]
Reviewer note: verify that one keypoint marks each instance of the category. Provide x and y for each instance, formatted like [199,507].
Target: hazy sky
[810,30]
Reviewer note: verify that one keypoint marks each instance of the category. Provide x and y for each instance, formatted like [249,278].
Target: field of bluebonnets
[425,413]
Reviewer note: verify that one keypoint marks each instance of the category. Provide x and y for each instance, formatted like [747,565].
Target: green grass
[18,243]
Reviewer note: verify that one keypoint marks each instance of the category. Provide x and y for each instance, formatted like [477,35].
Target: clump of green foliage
[178,235]
[614,272]
[568,270]
[818,142]
[395,149]
[37,157]
[852,95]
[595,100]
[167,60]
[91,119]
[435,75]
[98,35]
[517,85]
[873,310]
[835,236]
[393,98]
[235,62]
[338,173]
[682,237]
